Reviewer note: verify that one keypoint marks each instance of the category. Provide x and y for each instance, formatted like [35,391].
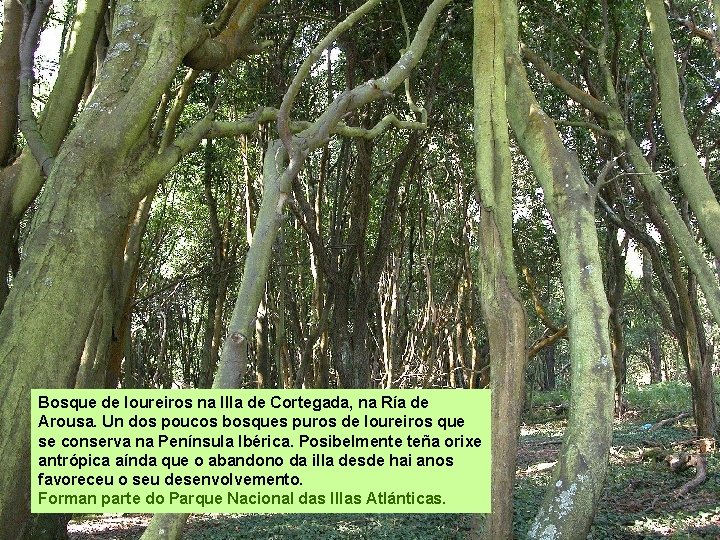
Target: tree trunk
[93,191]
[615,291]
[48,527]
[571,499]
[217,280]
[692,178]
[704,389]
[262,348]
[66,269]
[691,335]
[502,305]
[21,181]
[655,354]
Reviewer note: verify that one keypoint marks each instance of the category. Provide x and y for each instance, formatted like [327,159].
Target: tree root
[680,462]
[700,464]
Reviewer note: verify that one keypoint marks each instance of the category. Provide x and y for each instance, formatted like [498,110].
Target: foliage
[659,401]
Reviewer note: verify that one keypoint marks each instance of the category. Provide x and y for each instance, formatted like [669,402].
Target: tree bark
[692,178]
[646,176]
[21,180]
[691,336]
[97,181]
[571,499]
[502,305]
[615,290]
[10,68]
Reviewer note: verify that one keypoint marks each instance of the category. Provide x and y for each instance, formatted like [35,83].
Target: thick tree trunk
[548,375]
[49,312]
[10,68]
[21,181]
[93,191]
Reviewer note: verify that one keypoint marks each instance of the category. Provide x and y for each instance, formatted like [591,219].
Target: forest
[520,195]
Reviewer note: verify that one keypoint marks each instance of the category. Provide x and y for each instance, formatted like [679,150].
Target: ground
[639,502]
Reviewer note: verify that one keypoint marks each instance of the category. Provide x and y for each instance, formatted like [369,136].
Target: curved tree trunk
[571,499]
[613,116]
[21,180]
[93,191]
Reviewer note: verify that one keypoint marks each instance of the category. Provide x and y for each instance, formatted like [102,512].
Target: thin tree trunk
[692,178]
[502,305]
[10,68]
[615,291]
[548,380]
[691,337]
[656,362]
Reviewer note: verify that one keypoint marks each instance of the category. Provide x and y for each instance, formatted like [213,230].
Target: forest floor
[639,501]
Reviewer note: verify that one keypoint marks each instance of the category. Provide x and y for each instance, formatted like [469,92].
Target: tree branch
[208,128]
[546,341]
[34,15]
[293,90]
[575,93]
[220,48]
[583,124]
[177,107]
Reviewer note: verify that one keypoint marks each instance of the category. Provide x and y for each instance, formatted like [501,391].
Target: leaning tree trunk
[502,305]
[692,333]
[21,180]
[691,176]
[571,499]
[615,290]
[612,114]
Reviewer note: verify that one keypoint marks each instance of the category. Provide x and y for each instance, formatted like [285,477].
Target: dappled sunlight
[639,500]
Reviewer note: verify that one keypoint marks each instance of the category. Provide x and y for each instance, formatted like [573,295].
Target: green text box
[315,451]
